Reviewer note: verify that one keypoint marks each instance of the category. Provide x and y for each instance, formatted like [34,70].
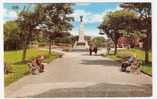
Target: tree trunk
[115,48]
[146,48]
[27,40]
[24,54]
[50,43]
[24,51]
[146,56]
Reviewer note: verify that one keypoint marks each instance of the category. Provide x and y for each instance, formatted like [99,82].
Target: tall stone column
[81,43]
[81,31]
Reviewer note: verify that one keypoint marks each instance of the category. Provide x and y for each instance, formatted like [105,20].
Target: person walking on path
[93,47]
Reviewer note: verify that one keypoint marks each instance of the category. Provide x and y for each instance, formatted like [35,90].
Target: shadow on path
[101,62]
[99,90]
[93,54]
[79,50]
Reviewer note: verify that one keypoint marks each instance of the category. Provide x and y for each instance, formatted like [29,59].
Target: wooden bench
[33,69]
[135,67]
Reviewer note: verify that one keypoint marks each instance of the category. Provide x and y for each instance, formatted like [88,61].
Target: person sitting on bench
[127,63]
[135,66]
[39,60]
[33,66]
[36,64]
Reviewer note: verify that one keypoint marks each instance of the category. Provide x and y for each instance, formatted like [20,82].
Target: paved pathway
[79,75]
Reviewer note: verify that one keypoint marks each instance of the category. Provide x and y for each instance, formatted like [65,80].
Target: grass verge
[123,53]
[20,69]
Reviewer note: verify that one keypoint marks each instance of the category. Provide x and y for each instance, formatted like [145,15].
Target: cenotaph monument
[81,43]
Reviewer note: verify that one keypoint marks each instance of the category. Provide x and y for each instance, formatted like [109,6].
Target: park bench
[33,69]
[36,65]
[134,67]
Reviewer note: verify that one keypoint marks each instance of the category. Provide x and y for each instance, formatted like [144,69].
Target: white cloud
[83,4]
[97,18]
[89,17]
[74,31]
[78,13]
[87,31]
[91,32]
[9,15]
[118,8]
[13,14]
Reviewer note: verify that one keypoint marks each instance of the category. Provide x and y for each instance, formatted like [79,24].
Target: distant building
[132,42]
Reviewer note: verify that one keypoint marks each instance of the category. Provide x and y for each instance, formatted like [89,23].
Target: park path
[78,74]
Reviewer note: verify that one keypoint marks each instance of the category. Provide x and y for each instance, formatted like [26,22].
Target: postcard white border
[154,37]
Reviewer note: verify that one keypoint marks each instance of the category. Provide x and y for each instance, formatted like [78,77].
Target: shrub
[7,68]
[123,55]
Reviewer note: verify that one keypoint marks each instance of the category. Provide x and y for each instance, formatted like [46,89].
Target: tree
[64,37]
[56,20]
[52,19]
[11,36]
[27,22]
[143,24]
[100,41]
[115,22]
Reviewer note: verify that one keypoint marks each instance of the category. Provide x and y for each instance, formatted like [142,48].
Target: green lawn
[123,53]
[20,69]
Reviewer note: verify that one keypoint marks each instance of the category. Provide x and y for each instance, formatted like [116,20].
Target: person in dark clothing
[127,63]
[93,48]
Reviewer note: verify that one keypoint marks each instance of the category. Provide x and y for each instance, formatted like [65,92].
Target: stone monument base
[81,45]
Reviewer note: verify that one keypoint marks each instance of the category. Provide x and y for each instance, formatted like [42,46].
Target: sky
[92,13]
